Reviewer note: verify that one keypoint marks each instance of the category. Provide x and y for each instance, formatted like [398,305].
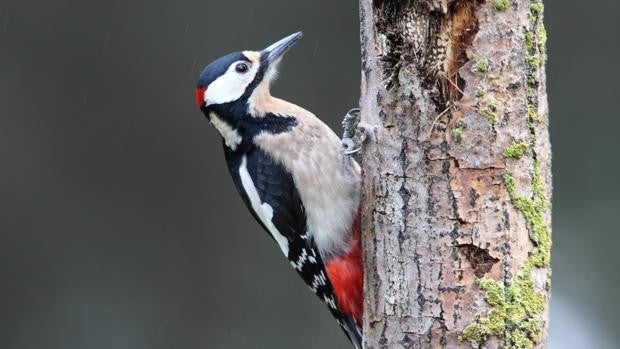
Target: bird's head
[234,78]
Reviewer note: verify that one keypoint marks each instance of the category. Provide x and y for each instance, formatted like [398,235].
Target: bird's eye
[241,68]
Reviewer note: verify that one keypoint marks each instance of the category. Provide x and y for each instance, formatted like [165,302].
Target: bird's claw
[350,122]
[352,141]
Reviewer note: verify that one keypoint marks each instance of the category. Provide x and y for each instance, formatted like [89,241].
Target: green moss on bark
[479,92]
[490,112]
[529,40]
[501,5]
[533,210]
[536,37]
[456,133]
[482,65]
[516,313]
[536,9]
[490,115]
[515,150]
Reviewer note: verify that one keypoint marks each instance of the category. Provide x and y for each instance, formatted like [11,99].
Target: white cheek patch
[263,210]
[230,86]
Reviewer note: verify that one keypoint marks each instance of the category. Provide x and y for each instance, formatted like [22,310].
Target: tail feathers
[352,330]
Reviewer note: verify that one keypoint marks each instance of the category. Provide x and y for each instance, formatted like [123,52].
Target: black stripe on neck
[249,126]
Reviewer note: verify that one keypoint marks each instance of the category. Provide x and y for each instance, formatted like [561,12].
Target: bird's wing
[269,191]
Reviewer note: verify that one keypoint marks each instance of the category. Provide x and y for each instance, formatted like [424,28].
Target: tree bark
[457,182]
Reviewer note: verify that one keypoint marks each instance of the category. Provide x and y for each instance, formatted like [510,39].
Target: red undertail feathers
[346,274]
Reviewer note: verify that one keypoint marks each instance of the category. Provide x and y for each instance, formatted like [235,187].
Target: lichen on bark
[515,150]
[501,5]
[517,310]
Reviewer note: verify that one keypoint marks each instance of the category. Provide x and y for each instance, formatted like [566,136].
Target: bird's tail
[353,321]
[353,331]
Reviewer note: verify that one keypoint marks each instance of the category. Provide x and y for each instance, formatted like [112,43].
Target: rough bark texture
[458,180]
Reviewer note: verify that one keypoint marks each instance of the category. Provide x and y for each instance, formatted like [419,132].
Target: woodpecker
[293,174]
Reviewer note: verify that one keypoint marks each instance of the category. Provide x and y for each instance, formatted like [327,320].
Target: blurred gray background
[119,225]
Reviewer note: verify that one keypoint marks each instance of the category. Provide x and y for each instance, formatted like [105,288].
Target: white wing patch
[263,210]
[231,136]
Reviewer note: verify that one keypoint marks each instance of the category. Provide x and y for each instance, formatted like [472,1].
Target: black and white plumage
[287,165]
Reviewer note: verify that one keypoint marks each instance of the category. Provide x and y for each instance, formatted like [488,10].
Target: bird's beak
[276,50]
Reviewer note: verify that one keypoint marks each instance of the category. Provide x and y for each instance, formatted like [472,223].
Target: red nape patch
[346,274]
[200,96]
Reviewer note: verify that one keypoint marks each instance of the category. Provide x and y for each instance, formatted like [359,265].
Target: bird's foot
[349,124]
[355,133]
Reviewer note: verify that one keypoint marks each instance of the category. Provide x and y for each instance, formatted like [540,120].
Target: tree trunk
[457,182]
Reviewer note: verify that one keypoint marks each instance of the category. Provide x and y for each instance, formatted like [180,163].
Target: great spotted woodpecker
[293,175]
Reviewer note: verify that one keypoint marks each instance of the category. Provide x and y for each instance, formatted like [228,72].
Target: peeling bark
[457,184]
